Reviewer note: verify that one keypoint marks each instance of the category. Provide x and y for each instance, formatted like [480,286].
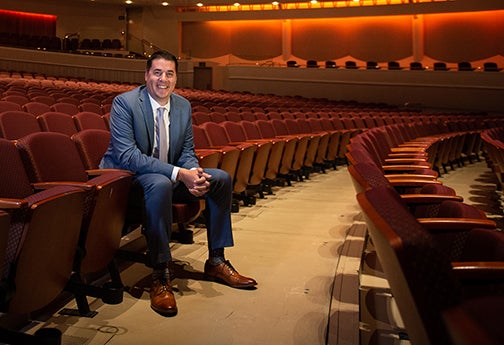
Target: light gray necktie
[161,137]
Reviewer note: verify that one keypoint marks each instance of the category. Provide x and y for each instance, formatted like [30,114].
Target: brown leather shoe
[227,274]
[162,298]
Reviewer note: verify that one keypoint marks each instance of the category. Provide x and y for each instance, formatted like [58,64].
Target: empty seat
[465,66]
[51,217]
[394,65]
[17,124]
[36,108]
[57,122]
[312,64]
[91,107]
[491,67]
[351,65]
[89,120]
[440,66]
[6,105]
[330,64]
[423,279]
[218,137]
[416,66]
[236,134]
[51,157]
[49,100]
[67,108]
[372,65]
[16,99]
[292,63]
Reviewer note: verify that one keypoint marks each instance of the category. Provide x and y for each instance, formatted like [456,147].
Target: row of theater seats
[65,225]
[488,66]
[494,146]
[440,257]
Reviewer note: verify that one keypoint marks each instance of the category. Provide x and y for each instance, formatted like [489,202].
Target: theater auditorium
[364,141]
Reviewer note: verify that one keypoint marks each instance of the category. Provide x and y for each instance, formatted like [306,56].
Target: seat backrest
[89,120]
[48,100]
[91,107]
[251,129]
[292,63]
[350,64]
[440,66]
[372,65]
[9,106]
[465,66]
[393,65]
[201,140]
[50,156]
[266,128]
[16,99]
[216,133]
[312,64]
[92,144]
[16,124]
[235,131]
[420,276]
[14,182]
[57,122]
[415,66]
[67,108]
[330,64]
[36,108]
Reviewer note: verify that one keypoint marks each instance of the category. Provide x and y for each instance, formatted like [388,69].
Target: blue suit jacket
[132,135]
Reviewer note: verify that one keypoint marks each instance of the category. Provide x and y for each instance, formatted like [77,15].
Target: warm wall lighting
[309,4]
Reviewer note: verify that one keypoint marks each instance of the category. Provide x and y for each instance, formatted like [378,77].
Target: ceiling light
[275,3]
[236,4]
[199,4]
[129,2]
[164,3]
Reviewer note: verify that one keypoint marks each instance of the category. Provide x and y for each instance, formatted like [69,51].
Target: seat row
[440,257]
[17,124]
[65,224]
[493,140]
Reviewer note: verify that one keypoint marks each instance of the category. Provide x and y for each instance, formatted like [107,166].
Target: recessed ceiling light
[165,3]
[199,4]
[129,2]
[236,4]
[275,3]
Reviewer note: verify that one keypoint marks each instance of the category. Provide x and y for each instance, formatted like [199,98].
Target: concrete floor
[303,245]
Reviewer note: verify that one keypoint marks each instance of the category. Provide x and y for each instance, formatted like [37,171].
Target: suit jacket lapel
[146,111]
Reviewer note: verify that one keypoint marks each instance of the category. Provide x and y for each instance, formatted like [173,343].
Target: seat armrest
[479,270]
[10,203]
[456,224]
[98,172]
[428,198]
[46,185]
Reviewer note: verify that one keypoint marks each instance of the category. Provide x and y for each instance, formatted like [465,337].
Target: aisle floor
[302,245]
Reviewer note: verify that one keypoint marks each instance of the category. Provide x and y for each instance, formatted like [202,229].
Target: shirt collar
[155,105]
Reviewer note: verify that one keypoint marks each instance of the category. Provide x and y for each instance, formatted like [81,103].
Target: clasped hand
[196,181]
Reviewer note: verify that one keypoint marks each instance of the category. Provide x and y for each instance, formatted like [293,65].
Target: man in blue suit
[151,135]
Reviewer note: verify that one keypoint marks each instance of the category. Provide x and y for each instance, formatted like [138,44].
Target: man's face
[160,80]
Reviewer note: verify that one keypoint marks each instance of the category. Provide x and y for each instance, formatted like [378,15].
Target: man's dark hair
[162,54]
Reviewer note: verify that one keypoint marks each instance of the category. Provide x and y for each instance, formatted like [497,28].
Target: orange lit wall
[450,37]
[250,40]
[464,36]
